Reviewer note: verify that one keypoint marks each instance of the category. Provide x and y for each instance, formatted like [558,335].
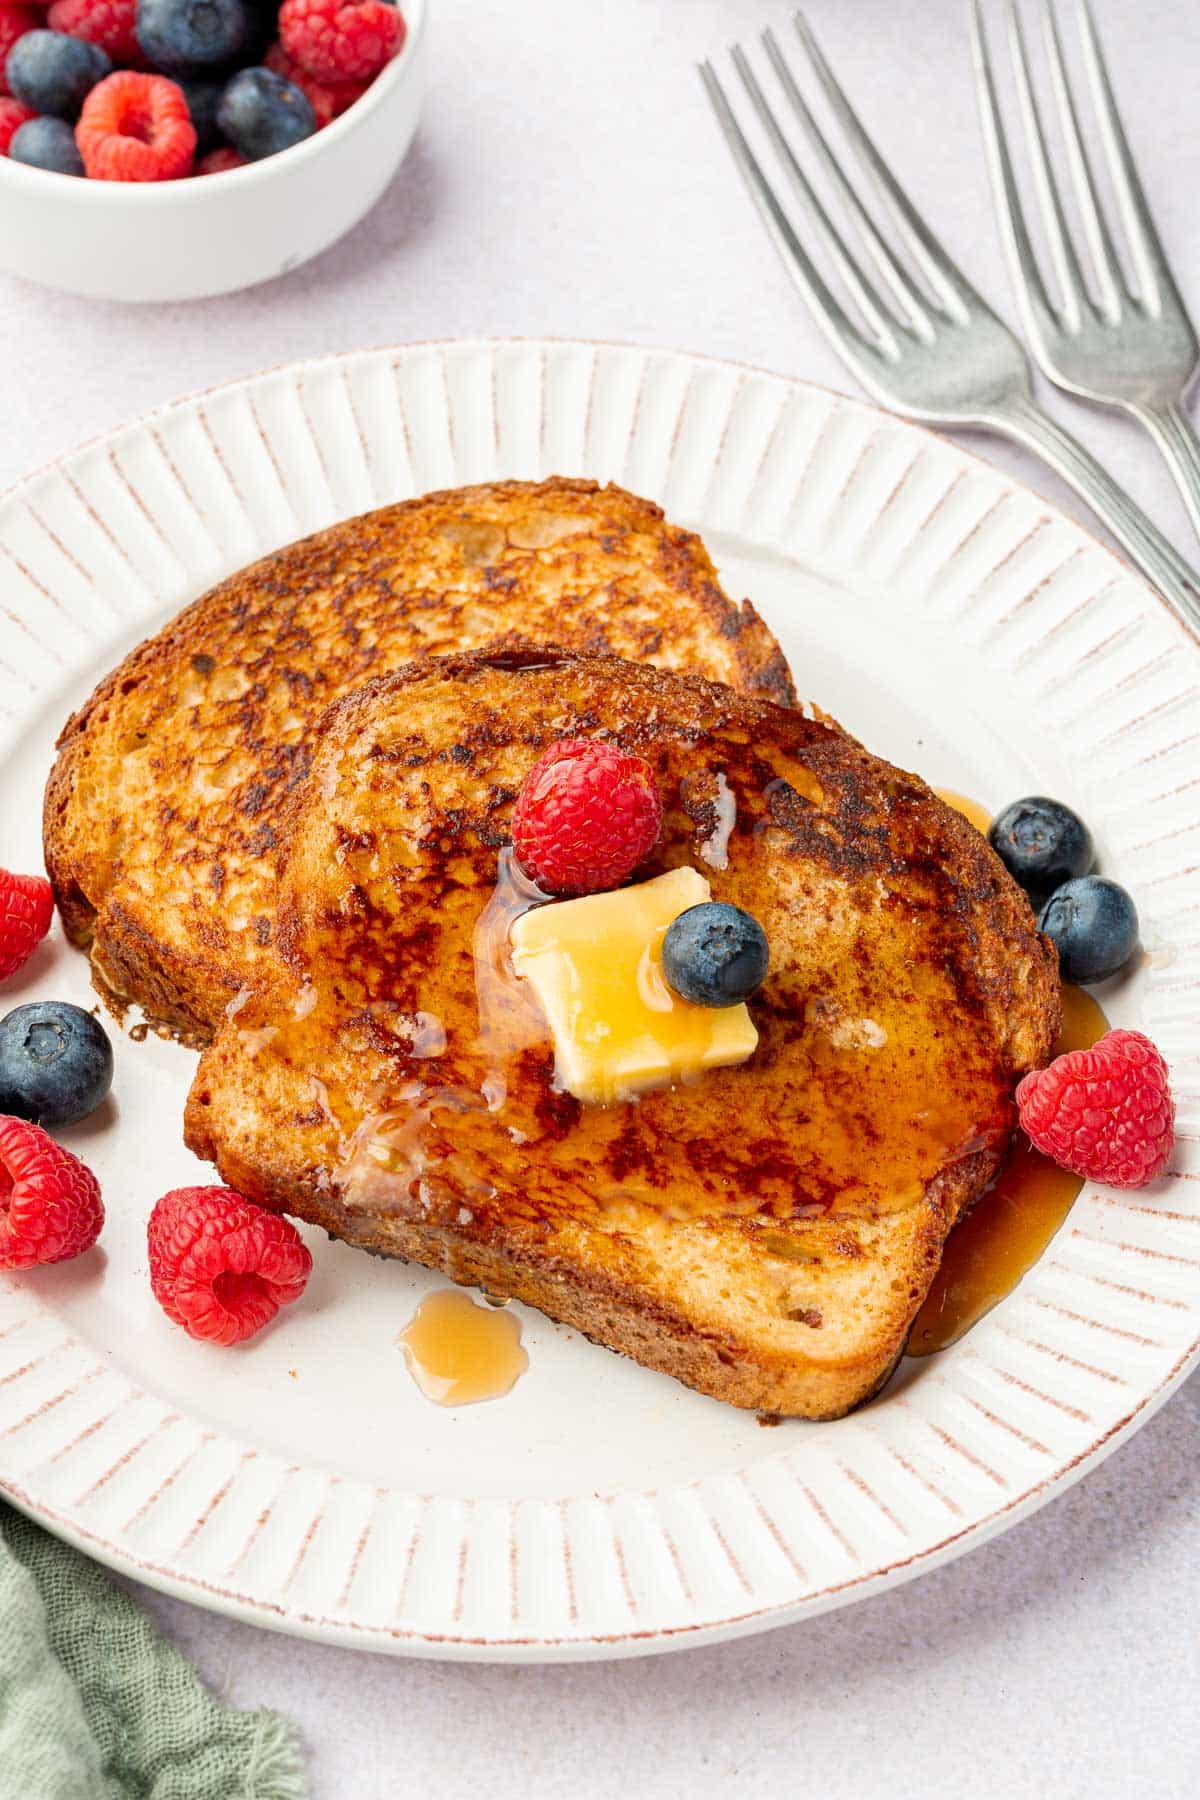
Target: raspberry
[12,116]
[586,816]
[15,21]
[26,901]
[329,99]
[108,23]
[217,161]
[1106,1113]
[340,42]
[136,128]
[220,1266]
[50,1205]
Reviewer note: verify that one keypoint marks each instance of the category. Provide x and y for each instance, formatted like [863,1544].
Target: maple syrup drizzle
[459,1353]
[979,816]
[1009,1227]
[509,1017]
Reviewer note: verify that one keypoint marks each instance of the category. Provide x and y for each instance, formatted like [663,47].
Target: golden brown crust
[161,813]
[766,1236]
[586,1292]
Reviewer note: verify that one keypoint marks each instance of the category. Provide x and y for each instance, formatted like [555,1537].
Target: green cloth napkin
[96,1705]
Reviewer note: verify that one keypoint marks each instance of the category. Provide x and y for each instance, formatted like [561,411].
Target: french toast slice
[766,1233]
[162,810]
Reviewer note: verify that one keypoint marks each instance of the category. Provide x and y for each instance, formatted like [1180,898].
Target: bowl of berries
[174,149]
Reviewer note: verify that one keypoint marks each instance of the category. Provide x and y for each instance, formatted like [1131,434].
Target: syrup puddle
[1010,1226]
[979,816]
[459,1353]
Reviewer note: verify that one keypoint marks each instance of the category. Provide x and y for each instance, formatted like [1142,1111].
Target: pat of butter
[595,965]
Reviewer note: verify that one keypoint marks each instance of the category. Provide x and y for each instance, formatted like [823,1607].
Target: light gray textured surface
[567,180]
[1059,1661]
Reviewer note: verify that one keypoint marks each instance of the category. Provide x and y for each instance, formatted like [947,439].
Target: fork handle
[1142,541]
[1175,436]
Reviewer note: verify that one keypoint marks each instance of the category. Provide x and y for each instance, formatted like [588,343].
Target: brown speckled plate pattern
[951,619]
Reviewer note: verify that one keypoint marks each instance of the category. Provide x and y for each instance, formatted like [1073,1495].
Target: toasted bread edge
[181,995]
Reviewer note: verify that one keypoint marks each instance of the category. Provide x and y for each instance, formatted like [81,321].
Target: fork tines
[1111,292]
[896,297]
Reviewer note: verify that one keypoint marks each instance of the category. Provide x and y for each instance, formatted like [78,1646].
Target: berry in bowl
[117,116]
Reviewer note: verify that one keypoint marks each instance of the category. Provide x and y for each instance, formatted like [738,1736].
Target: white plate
[961,627]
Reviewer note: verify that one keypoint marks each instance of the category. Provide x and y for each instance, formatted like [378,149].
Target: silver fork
[1131,347]
[934,352]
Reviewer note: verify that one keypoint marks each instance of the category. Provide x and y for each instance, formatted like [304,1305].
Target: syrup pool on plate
[459,1352]
[1009,1227]
[979,816]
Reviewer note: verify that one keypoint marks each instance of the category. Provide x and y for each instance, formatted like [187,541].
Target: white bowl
[184,240]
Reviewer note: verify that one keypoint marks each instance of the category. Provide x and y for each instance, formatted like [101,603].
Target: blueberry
[183,37]
[1042,844]
[1094,926]
[263,30]
[55,73]
[47,144]
[261,112]
[203,97]
[56,1063]
[715,954]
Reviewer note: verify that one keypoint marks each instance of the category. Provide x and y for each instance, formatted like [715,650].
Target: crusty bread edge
[621,1315]
[128,965]
[618,1315]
